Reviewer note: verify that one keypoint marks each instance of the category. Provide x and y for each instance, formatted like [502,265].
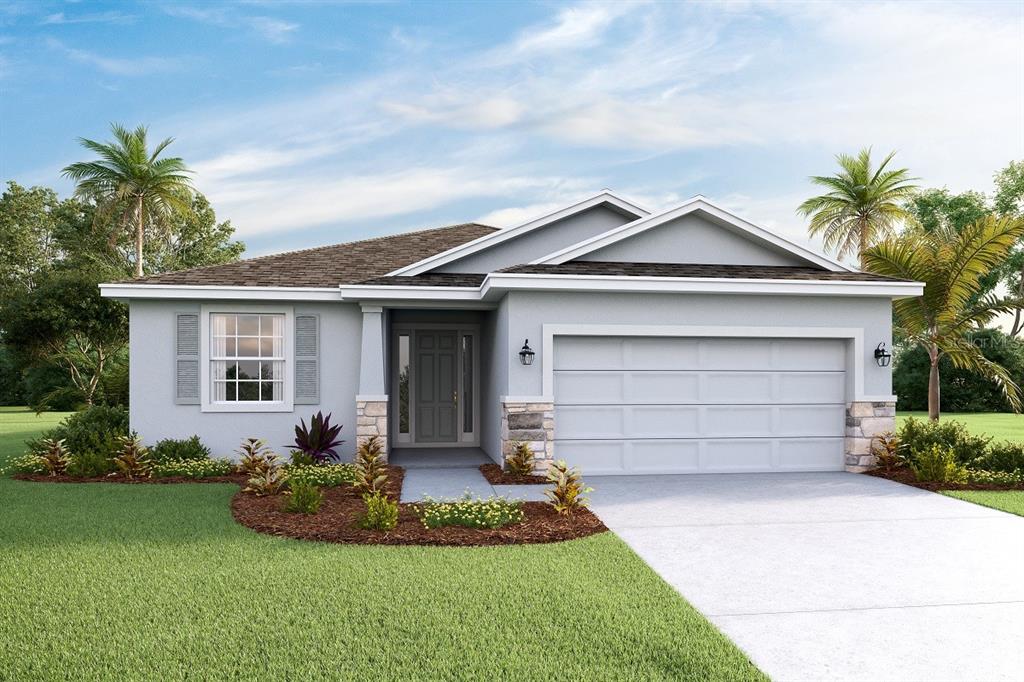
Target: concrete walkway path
[453,482]
[834,576]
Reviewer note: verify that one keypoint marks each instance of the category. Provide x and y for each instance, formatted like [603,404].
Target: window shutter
[186,362]
[307,359]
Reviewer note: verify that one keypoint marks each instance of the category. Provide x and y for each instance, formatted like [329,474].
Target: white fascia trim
[701,285]
[499,236]
[689,206]
[219,293]
[369,292]
[854,334]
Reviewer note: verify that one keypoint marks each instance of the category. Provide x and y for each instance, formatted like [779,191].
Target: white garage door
[640,405]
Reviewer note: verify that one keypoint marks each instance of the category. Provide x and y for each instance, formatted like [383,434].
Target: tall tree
[863,204]
[132,184]
[951,264]
[1009,201]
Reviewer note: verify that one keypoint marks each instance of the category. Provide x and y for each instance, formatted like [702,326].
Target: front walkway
[447,474]
[834,576]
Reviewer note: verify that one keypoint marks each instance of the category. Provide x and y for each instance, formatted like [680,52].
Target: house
[621,340]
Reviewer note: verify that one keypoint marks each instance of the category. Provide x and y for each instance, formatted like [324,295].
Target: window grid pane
[247,357]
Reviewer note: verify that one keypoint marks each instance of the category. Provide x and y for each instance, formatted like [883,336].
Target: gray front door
[436,386]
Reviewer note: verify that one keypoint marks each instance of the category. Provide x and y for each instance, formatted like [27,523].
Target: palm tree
[130,182]
[951,265]
[862,205]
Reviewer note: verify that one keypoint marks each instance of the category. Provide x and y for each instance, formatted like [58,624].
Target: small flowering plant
[193,468]
[323,475]
[493,512]
[26,464]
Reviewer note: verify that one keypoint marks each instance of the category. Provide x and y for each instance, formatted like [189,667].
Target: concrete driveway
[834,576]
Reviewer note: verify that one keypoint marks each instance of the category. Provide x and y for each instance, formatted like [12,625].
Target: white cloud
[111,17]
[269,28]
[574,27]
[134,66]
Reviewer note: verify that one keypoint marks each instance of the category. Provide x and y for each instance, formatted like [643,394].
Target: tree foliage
[951,264]
[65,321]
[133,188]
[863,204]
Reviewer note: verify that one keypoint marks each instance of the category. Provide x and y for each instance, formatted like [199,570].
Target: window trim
[287,404]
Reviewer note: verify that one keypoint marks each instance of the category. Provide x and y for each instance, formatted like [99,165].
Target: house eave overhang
[495,286]
[128,291]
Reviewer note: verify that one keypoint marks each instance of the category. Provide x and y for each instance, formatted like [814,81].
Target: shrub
[133,458]
[26,464]
[520,461]
[371,473]
[494,512]
[192,468]
[567,492]
[938,464]
[1005,457]
[270,481]
[381,513]
[255,457]
[172,450]
[93,431]
[919,436]
[90,464]
[1007,478]
[325,475]
[316,444]
[303,498]
[53,456]
[887,451]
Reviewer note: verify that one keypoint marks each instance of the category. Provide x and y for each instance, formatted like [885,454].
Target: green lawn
[999,425]
[1006,500]
[107,581]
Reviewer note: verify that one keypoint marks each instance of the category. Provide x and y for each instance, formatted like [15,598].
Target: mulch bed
[335,522]
[495,475]
[906,477]
[239,479]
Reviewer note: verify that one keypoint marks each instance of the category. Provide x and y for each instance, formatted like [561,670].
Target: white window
[247,358]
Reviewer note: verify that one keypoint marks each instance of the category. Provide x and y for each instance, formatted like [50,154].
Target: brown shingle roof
[328,266]
[696,270]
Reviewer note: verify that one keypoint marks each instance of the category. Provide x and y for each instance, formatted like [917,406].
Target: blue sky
[318,122]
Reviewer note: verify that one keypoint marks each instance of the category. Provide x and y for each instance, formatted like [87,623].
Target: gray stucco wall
[529,311]
[541,241]
[155,416]
[692,239]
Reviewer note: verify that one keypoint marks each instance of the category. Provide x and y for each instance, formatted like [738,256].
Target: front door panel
[436,387]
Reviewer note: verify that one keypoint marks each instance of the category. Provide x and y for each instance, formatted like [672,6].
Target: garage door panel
[662,353]
[663,455]
[662,421]
[587,421]
[590,388]
[736,354]
[804,387]
[589,352]
[737,420]
[598,457]
[747,454]
[806,454]
[810,420]
[732,387]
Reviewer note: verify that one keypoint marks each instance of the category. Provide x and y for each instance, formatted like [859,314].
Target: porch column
[372,399]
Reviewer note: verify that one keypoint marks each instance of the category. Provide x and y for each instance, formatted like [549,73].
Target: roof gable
[611,245]
[605,198]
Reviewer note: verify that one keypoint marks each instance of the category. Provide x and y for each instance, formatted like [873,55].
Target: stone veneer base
[532,423]
[865,421]
[372,420]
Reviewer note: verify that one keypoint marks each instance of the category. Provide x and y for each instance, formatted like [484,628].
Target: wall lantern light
[526,354]
[882,356]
